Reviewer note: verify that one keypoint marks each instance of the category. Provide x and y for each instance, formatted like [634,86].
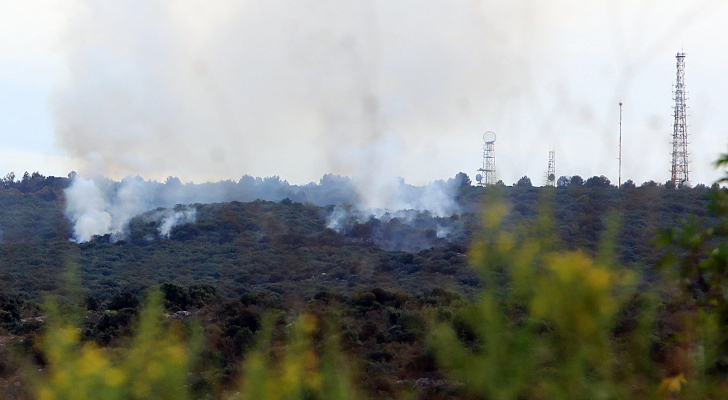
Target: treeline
[47,188]
[331,189]
[580,208]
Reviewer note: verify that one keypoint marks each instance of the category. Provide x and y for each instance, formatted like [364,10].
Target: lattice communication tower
[551,172]
[486,175]
[680,167]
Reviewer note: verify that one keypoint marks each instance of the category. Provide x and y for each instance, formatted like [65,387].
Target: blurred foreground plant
[697,262]
[543,324]
[154,367]
[301,369]
[158,362]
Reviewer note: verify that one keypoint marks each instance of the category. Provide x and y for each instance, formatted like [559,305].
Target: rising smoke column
[86,207]
[171,218]
[208,91]
[101,206]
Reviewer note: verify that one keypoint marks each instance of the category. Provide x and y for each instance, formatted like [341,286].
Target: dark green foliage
[524,182]
[202,294]
[122,301]
[90,303]
[327,297]
[598,182]
[9,311]
[176,297]
[113,324]
[30,218]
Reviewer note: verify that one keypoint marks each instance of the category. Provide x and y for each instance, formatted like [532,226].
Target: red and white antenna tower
[680,167]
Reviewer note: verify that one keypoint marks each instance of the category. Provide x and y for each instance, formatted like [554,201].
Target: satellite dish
[489,137]
[478,177]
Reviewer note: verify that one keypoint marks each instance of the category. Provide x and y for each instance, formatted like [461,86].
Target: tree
[524,182]
[598,182]
[175,296]
[463,179]
[9,180]
[31,183]
[123,300]
[563,181]
[576,180]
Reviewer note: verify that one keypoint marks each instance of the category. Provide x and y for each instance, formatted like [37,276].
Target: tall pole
[619,183]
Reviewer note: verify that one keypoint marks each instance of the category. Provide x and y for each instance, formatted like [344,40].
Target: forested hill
[227,267]
[286,247]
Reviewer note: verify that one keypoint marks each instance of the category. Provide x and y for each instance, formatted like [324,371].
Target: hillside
[382,279]
[286,247]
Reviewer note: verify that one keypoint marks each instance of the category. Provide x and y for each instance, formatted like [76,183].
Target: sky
[211,90]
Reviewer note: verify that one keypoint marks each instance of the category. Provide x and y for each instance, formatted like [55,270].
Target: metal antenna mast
[619,183]
[551,173]
[486,174]
[680,130]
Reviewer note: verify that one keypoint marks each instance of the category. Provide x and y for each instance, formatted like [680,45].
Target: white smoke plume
[101,206]
[337,220]
[443,232]
[87,208]
[171,218]
[401,201]
[105,207]
[206,91]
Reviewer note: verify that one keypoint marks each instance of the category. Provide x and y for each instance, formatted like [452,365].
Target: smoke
[338,218]
[86,207]
[373,90]
[102,206]
[443,232]
[204,91]
[171,218]
[403,202]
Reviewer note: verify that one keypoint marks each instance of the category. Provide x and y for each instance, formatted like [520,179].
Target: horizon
[281,179]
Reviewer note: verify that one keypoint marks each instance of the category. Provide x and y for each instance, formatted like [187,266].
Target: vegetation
[562,294]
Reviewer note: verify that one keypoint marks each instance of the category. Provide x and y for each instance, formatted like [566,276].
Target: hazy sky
[208,90]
